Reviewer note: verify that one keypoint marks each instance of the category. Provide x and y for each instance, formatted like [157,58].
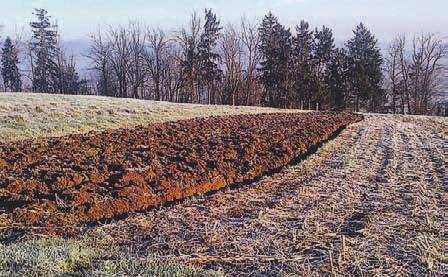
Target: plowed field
[371,202]
[79,179]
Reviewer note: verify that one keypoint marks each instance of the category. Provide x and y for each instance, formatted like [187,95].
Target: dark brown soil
[80,179]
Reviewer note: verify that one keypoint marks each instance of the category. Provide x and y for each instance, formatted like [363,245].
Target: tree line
[264,64]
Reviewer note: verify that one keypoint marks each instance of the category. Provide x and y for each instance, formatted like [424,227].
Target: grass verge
[59,257]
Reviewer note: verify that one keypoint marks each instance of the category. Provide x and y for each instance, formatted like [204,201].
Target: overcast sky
[78,18]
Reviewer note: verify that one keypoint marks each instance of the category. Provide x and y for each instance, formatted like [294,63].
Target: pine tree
[268,52]
[302,56]
[324,41]
[365,69]
[208,58]
[275,48]
[323,51]
[44,51]
[336,78]
[10,69]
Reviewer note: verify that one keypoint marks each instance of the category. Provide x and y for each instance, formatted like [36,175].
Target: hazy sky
[78,18]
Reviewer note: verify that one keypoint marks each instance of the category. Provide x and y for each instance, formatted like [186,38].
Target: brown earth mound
[80,179]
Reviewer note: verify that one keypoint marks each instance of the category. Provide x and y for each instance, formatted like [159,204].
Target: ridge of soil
[80,179]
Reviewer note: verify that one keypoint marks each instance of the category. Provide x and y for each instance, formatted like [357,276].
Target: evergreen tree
[275,48]
[336,78]
[324,47]
[209,60]
[284,67]
[302,68]
[365,69]
[10,69]
[44,51]
[323,50]
[188,39]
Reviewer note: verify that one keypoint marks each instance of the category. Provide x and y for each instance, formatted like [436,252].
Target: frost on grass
[130,265]
[58,257]
[45,257]
[33,116]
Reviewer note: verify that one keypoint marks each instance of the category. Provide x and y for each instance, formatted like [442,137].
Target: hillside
[31,116]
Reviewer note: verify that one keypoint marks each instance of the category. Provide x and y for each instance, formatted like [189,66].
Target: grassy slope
[25,116]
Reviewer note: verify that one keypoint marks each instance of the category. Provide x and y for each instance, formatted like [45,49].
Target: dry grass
[31,116]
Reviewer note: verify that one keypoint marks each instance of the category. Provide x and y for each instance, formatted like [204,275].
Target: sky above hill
[384,17]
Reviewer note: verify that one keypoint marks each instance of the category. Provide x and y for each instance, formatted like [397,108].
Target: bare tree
[419,72]
[100,56]
[22,42]
[231,50]
[427,52]
[137,69]
[404,66]
[173,80]
[252,56]
[1,81]
[394,75]
[120,58]
[156,59]
[65,76]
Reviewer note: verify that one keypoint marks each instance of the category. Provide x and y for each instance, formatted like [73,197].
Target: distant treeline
[255,63]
